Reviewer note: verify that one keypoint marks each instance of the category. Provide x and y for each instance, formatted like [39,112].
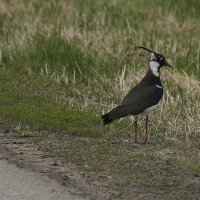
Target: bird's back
[144,95]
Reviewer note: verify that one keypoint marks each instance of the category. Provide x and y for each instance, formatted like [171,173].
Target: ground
[27,153]
[23,184]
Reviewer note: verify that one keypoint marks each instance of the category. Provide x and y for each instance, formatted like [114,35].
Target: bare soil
[26,154]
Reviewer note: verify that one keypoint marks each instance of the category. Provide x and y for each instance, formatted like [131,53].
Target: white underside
[148,110]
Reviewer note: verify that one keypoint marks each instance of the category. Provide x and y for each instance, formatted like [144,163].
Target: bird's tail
[116,113]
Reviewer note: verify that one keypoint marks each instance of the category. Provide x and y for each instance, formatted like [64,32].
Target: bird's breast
[148,110]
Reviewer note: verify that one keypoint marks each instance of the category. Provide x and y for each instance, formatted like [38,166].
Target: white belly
[148,110]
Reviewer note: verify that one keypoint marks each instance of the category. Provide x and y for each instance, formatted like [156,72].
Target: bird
[143,97]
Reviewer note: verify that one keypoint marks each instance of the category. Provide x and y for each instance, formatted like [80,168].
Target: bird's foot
[136,142]
[146,142]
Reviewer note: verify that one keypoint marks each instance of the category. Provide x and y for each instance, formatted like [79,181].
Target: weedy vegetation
[64,63]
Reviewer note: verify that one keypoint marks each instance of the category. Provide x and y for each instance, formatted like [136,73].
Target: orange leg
[136,133]
[146,130]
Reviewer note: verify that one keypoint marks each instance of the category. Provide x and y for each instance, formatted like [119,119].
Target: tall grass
[89,55]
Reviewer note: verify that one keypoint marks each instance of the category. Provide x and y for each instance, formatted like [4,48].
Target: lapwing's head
[156,61]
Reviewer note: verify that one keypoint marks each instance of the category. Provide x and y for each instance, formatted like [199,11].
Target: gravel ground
[18,183]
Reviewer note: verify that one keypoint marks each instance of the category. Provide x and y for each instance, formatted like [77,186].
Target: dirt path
[39,173]
[17,183]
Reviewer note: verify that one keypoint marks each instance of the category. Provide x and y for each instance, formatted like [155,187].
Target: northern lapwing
[144,97]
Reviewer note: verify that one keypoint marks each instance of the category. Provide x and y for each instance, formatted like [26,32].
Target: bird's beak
[167,64]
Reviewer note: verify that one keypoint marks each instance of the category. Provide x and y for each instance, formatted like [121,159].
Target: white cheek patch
[152,56]
[154,66]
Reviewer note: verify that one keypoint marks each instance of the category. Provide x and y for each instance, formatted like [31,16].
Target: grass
[64,63]
[30,102]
